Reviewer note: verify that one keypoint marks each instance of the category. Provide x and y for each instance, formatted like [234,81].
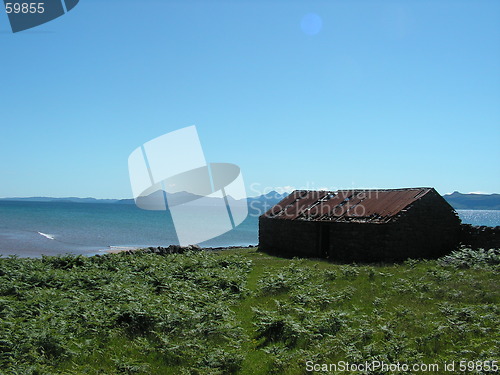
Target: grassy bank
[242,311]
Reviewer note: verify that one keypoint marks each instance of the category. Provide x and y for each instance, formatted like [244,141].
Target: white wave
[49,236]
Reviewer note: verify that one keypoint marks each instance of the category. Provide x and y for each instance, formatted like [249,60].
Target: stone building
[361,225]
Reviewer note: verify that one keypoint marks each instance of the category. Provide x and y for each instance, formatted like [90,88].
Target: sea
[33,229]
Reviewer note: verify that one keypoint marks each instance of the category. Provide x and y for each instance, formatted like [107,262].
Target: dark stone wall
[477,237]
[289,237]
[427,229]
[362,242]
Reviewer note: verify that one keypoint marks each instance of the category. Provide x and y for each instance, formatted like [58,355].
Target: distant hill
[68,199]
[461,201]
[260,204]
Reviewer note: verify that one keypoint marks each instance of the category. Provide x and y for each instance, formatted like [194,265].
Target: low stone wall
[477,237]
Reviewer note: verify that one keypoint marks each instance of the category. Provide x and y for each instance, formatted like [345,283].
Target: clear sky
[335,94]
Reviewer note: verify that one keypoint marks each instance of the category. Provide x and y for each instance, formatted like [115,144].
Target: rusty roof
[377,206]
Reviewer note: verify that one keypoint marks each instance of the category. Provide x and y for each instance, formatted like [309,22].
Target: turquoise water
[36,228]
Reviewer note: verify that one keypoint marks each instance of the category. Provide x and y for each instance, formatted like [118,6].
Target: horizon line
[253,196]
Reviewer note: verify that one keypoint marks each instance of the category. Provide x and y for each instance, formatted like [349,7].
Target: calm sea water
[36,228]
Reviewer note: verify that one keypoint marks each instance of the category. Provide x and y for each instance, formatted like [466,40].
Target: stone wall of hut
[429,228]
[289,237]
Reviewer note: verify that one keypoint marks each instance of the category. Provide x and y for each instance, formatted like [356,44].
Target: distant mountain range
[68,199]
[261,203]
[256,204]
[461,201]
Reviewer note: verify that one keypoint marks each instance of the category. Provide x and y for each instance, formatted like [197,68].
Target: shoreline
[34,254]
[171,249]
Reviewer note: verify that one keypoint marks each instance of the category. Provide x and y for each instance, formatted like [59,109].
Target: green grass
[242,311]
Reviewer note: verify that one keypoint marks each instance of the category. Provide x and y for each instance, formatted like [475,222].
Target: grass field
[246,312]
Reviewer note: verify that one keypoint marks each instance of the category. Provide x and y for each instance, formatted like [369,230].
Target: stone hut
[361,225]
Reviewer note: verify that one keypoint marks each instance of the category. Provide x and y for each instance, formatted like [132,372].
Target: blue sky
[387,94]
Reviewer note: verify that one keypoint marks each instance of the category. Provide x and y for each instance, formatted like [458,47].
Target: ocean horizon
[33,229]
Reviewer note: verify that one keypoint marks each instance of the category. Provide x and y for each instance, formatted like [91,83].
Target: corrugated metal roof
[346,205]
